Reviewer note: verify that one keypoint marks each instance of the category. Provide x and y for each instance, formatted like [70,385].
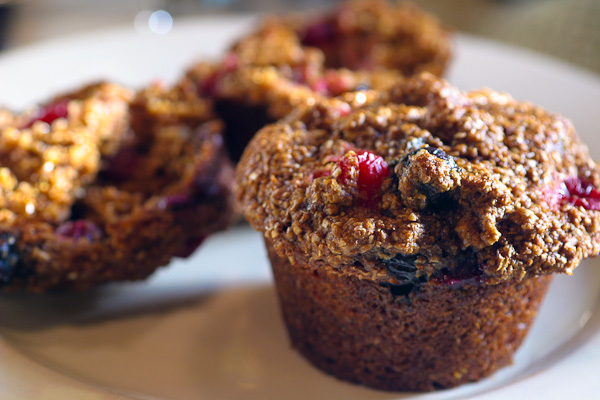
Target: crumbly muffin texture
[298,60]
[456,185]
[266,87]
[363,35]
[134,200]
[44,165]
[290,62]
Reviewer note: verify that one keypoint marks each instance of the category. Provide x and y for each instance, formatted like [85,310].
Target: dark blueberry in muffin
[9,258]
[441,154]
[402,267]
[426,178]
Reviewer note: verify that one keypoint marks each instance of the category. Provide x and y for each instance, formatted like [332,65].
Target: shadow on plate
[230,342]
[31,312]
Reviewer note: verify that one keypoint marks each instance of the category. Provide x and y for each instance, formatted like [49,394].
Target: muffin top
[363,35]
[456,185]
[295,61]
[49,152]
[119,182]
[391,35]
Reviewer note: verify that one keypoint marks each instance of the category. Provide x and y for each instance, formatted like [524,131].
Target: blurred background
[566,29]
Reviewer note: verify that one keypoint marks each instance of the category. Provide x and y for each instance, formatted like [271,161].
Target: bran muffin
[293,61]
[412,239]
[49,152]
[138,179]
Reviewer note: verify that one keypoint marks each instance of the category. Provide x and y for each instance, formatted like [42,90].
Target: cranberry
[178,201]
[332,83]
[339,83]
[78,229]
[372,170]
[321,86]
[308,75]
[231,62]
[460,280]
[210,84]
[579,192]
[344,109]
[50,113]
[320,33]
[466,270]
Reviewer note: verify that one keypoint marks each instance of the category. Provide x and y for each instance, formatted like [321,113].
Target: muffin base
[437,337]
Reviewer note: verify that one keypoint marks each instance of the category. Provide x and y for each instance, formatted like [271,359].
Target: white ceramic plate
[208,327]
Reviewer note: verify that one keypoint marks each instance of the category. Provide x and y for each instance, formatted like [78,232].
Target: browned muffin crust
[155,194]
[320,53]
[369,34]
[477,181]
[43,166]
[355,328]
[303,61]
